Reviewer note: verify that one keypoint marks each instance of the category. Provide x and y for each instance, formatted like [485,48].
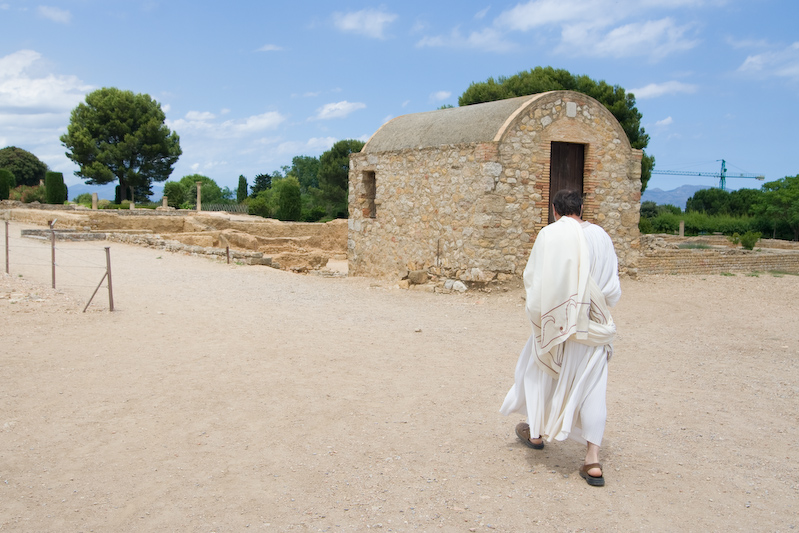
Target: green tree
[26,167]
[781,203]
[7,182]
[306,169]
[263,203]
[743,201]
[55,190]
[289,199]
[261,182]
[711,201]
[210,191]
[175,194]
[119,135]
[542,79]
[334,169]
[241,191]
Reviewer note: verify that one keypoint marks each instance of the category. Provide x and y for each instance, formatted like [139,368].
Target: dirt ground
[224,397]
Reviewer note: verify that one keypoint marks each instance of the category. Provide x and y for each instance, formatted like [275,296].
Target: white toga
[573,405]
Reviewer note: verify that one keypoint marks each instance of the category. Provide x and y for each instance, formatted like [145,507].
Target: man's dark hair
[567,202]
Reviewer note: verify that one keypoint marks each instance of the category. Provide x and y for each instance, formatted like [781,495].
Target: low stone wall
[717,262]
[296,246]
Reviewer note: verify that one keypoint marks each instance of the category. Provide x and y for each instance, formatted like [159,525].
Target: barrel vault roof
[458,125]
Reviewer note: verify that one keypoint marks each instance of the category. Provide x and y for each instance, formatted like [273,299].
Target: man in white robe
[560,384]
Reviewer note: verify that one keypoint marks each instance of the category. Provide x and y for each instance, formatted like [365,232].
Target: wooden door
[566,162]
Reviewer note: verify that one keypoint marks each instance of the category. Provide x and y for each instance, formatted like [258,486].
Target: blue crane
[722,176]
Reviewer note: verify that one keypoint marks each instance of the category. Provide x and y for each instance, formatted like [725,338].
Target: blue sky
[249,85]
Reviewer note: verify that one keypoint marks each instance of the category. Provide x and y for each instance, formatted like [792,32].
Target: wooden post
[227,252]
[108,274]
[6,246]
[52,248]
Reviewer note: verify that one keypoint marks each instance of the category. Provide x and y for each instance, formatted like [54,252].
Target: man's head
[568,202]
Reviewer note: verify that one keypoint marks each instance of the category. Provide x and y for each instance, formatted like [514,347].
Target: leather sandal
[594,481]
[523,432]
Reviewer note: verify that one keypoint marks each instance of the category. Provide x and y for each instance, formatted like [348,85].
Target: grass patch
[693,246]
[726,274]
[781,273]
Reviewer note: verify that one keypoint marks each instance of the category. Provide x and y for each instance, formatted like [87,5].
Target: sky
[249,85]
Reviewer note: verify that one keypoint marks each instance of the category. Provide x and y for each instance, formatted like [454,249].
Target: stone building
[462,192]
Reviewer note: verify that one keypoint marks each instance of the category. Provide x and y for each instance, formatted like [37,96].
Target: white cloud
[200,115]
[202,123]
[440,96]
[165,108]
[311,146]
[654,90]
[55,14]
[655,39]
[604,28]
[35,107]
[20,92]
[337,110]
[482,13]
[780,63]
[665,122]
[488,39]
[270,48]
[368,22]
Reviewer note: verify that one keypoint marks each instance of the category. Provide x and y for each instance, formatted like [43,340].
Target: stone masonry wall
[472,211]
[717,262]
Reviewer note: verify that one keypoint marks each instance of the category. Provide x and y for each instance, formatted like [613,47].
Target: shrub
[644,225]
[7,182]
[27,194]
[290,207]
[175,193]
[54,188]
[314,215]
[749,239]
[84,199]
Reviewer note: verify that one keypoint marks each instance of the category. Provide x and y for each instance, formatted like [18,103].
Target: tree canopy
[210,191]
[781,203]
[306,169]
[7,182]
[241,190]
[119,135]
[334,170]
[542,79]
[26,167]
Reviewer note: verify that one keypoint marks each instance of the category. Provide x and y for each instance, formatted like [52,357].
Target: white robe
[573,405]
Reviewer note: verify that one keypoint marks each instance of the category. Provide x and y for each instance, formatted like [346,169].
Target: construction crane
[722,176]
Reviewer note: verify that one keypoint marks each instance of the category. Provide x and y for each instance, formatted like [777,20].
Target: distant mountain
[106,192]
[677,197]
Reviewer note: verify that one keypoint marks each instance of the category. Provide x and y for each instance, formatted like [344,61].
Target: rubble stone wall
[472,211]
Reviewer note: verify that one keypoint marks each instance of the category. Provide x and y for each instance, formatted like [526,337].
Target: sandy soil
[240,398]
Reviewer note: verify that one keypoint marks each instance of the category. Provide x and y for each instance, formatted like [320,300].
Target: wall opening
[566,164]
[370,190]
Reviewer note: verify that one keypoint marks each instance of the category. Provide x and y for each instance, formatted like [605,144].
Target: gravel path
[240,398]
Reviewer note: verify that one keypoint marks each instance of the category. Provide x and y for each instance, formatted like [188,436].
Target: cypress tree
[7,182]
